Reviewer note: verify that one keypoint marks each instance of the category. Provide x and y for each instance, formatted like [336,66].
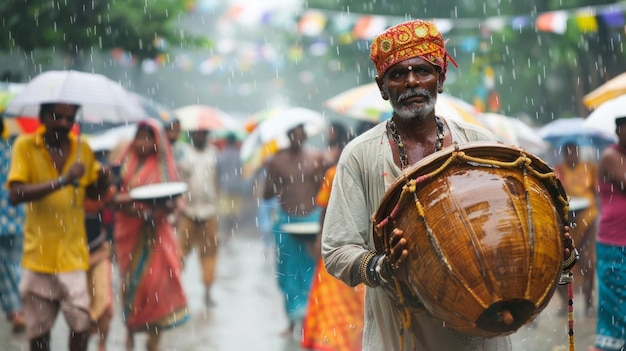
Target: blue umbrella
[565,130]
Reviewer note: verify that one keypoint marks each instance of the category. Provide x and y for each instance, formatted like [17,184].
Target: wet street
[248,312]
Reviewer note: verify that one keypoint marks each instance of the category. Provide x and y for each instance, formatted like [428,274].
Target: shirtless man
[294,176]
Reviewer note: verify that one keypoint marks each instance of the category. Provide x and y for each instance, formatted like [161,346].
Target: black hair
[342,134]
[48,108]
[146,127]
[45,108]
[169,124]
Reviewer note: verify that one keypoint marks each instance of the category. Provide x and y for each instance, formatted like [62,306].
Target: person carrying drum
[579,178]
[293,177]
[411,63]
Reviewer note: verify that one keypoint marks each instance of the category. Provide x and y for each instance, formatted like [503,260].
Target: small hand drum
[158,193]
[307,231]
[484,225]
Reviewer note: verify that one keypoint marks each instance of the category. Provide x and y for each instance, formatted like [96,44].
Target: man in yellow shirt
[52,172]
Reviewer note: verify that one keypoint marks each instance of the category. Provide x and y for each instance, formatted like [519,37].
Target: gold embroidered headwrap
[410,39]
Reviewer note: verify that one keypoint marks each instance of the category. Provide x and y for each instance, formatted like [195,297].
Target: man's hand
[399,255]
[76,171]
[105,176]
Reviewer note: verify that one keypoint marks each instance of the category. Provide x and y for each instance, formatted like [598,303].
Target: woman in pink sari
[146,247]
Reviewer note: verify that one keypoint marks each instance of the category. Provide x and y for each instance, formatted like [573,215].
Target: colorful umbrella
[607,91]
[202,117]
[365,103]
[101,99]
[271,135]
[256,118]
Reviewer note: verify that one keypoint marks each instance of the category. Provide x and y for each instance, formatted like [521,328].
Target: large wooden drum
[484,225]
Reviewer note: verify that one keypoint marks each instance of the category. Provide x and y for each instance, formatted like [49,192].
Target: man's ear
[380,84]
[440,79]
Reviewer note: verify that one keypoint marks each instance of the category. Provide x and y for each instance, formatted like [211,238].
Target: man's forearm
[21,192]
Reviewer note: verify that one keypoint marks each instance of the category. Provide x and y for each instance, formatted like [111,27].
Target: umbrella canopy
[154,109]
[513,131]
[565,130]
[101,99]
[365,103]
[271,135]
[603,118]
[256,118]
[201,117]
[607,91]
[110,138]
[18,125]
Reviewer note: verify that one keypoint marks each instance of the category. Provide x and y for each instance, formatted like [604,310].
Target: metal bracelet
[379,269]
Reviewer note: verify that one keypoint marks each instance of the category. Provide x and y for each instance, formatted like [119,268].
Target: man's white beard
[405,112]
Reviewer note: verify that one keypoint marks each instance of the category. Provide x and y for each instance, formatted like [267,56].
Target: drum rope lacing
[459,156]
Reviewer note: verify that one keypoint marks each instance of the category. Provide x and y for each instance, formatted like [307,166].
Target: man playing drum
[411,62]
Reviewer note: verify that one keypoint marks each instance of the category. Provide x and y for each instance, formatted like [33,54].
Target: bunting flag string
[325,28]
[365,27]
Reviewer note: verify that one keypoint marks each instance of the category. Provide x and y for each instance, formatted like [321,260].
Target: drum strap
[570,315]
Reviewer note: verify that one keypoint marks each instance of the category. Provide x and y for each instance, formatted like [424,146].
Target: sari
[147,250]
[335,316]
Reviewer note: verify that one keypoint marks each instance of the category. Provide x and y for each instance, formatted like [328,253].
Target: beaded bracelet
[364,269]
[569,263]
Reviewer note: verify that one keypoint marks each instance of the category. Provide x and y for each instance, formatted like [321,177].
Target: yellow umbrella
[364,102]
[607,91]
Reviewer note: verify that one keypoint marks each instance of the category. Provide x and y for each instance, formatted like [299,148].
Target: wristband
[59,181]
[379,269]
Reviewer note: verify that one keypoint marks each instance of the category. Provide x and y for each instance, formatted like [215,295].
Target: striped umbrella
[365,103]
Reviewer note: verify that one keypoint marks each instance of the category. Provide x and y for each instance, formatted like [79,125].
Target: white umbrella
[564,130]
[271,134]
[110,138]
[100,98]
[513,131]
[603,118]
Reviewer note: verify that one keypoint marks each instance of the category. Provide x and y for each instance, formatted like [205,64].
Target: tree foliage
[76,27]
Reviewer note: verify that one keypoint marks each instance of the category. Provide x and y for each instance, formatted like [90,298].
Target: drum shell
[496,240]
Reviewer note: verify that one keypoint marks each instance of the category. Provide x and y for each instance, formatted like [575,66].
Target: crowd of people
[339,292]
[51,263]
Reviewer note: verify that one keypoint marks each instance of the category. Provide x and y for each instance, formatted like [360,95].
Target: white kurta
[364,173]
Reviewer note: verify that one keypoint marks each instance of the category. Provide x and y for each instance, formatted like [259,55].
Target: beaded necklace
[404,158]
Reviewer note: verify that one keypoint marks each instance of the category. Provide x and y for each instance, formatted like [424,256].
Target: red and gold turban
[410,39]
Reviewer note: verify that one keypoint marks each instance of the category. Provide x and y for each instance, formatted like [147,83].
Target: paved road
[248,313]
